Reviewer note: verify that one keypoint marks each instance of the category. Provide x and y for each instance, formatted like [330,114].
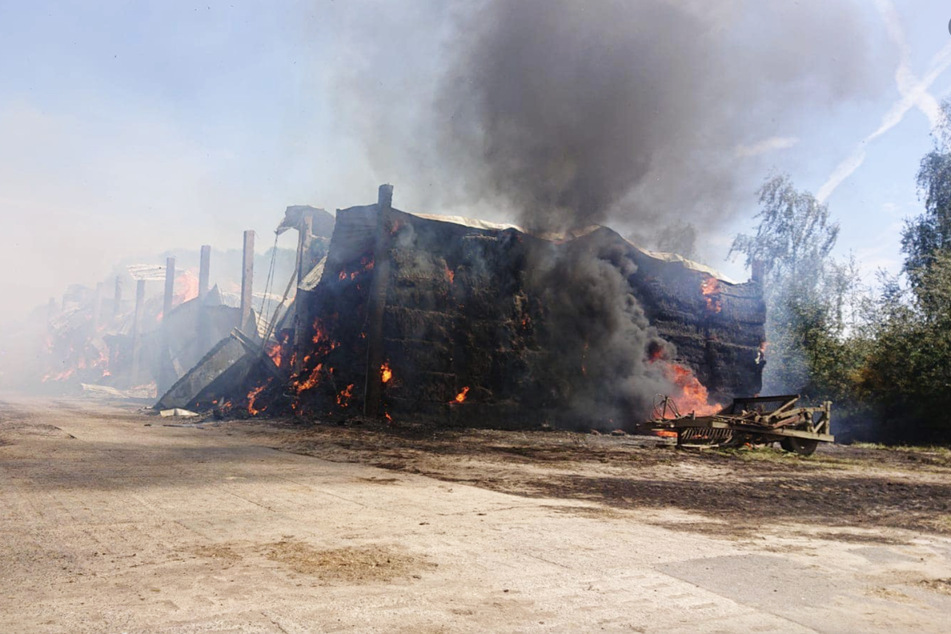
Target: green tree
[908,372]
[924,237]
[794,236]
[804,290]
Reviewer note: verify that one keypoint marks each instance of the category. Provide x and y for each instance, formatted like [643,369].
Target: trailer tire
[800,446]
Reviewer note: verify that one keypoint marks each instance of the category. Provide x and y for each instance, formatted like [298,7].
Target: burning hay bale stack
[468,322]
[717,326]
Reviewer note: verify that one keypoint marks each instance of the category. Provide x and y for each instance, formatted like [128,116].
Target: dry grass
[352,564]
[938,585]
[863,486]
[362,564]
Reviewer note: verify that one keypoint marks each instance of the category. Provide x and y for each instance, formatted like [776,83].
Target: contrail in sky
[914,94]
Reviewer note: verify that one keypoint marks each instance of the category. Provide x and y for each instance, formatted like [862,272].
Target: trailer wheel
[801,446]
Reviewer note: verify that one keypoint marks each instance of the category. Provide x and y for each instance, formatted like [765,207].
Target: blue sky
[133,127]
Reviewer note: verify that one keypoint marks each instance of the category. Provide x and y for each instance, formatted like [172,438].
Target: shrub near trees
[885,360]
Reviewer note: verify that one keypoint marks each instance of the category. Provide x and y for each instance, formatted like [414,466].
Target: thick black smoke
[603,338]
[633,111]
[566,103]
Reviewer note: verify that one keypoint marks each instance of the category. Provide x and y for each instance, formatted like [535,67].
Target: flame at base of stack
[690,396]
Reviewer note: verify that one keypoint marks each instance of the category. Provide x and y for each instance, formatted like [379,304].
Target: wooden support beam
[305,232]
[166,371]
[301,314]
[247,277]
[204,270]
[117,297]
[137,330]
[373,391]
[169,287]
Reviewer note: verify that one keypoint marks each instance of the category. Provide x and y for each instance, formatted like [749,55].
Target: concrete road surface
[111,521]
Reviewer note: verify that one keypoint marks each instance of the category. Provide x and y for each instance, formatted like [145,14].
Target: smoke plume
[605,341]
[635,114]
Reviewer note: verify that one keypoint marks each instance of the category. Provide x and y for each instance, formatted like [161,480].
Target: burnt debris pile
[162,323]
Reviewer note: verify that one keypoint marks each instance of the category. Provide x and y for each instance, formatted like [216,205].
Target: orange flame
[59,376]
[693,397]
[343,399]
[386,373]
[253,396]
[461,396]
[186,289]
[87,357]
[273,350]
[450,274]
[710,288]
[320,338]
[311,381]
[187,285]
[365,262]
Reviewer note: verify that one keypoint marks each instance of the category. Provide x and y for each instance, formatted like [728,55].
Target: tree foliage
[884,360]
[908,371]
[794,235]
[804,290]
[930,233]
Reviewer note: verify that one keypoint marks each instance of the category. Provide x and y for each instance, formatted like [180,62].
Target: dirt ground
[115,520]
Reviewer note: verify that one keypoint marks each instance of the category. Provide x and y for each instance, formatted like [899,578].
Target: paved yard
[111,521]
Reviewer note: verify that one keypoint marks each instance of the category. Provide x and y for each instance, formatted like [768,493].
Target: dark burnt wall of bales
[717,334]
[334,347]
[464,313]
[456,320]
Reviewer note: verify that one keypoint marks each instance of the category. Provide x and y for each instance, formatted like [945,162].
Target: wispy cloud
[914,94]
[766,145]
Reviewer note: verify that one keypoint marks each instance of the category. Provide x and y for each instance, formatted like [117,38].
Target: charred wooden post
[302,316]
[117,297]
[166,375]
[204,270]
[376,305]
[204,274]
[137,328]
[247,276]
[169,287]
